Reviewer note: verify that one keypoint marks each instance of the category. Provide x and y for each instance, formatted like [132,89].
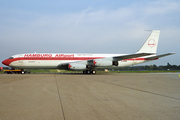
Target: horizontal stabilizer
[159,56]
[118,58]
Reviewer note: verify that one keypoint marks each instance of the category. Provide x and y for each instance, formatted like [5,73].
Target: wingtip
[172,53]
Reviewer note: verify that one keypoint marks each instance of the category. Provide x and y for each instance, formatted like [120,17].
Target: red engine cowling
[76,66]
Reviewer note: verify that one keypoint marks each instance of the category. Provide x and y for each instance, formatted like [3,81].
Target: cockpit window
[11,58]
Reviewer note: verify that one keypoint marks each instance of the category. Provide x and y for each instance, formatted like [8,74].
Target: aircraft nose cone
[6,62]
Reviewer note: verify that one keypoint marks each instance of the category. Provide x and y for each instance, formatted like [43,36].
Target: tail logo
[151,43]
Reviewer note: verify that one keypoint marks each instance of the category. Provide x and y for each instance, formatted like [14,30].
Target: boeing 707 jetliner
[88,63]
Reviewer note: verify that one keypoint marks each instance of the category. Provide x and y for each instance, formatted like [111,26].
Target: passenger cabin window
[11,58]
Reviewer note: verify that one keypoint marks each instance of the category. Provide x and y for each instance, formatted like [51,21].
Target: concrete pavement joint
[60,101]
[137,89]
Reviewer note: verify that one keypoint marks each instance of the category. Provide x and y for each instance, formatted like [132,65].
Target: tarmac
[116,96]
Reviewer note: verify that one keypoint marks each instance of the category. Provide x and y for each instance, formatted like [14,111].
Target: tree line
[153,67]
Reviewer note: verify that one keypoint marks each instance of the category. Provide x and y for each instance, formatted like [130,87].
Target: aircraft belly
[125,63]
[36,64]
[140,61]
[129,63]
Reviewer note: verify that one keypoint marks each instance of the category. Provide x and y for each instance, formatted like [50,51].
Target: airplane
[88,63]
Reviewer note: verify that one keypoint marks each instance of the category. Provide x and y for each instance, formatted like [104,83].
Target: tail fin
[150,46]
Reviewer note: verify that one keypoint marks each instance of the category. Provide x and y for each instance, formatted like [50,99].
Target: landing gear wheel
[93,72]
[88,72]
[84,71]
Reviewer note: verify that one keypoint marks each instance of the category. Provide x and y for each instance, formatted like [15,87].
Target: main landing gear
[89,72]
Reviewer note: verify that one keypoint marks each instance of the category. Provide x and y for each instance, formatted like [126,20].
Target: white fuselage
[51,61]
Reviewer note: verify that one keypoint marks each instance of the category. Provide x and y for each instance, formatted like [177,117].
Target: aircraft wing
[118,58]
[104,60]
[115,58]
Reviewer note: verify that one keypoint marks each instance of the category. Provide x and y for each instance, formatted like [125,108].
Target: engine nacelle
[115,63]
[76,66]
[102,63]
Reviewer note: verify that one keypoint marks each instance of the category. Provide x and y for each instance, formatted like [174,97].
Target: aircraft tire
[84,72]
[93,72]
[88,72]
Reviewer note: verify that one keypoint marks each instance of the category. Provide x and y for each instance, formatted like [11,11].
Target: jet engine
[76,66]
[102,63]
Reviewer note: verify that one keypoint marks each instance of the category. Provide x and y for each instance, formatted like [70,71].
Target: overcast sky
[88,26]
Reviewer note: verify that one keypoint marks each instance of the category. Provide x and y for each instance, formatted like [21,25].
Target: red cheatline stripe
[63,58]
[56,58]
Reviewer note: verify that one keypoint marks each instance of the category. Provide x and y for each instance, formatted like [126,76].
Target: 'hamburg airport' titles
[49,55]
